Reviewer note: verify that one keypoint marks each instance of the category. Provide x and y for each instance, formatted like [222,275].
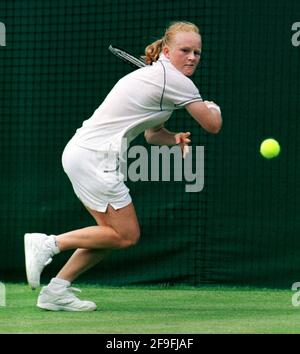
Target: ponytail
[153,51]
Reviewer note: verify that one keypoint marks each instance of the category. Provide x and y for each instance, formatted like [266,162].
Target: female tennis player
[142,101]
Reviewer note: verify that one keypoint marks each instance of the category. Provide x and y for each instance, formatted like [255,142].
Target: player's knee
[130,239]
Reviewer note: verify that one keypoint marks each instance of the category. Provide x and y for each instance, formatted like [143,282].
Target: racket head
[127,57]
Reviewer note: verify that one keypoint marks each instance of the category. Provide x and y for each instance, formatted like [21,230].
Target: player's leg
[120,230]
[124,223]
[58,294]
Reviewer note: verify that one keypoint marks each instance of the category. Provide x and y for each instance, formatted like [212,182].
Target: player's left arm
[159,135]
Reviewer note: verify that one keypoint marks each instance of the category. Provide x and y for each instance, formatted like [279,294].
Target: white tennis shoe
[64,300]
[37,256]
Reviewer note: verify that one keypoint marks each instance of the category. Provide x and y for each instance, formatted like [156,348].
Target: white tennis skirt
[96,177]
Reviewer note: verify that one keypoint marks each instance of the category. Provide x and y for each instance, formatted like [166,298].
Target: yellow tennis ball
[270,148]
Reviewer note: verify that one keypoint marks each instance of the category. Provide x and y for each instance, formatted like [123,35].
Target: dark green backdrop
[244,227]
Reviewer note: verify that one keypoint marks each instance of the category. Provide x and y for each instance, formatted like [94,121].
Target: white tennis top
[140,100]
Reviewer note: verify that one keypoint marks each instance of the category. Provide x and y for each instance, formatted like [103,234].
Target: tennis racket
[127,58]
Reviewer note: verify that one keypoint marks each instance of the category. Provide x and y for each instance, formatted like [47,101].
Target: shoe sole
[28,260]
[52,307]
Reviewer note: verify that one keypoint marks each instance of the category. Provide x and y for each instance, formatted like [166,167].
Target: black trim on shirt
[188,101]
[163,92]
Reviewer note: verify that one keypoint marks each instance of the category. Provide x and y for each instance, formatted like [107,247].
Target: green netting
[55,69]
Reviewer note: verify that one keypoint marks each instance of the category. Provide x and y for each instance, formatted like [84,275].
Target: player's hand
[182,139]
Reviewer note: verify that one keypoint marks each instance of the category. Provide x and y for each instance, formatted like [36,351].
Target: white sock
[51,243]
[58,284]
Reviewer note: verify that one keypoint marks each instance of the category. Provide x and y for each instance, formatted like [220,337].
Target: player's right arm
[207,114]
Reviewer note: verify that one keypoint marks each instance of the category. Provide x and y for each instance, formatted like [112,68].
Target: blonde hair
[154,49]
